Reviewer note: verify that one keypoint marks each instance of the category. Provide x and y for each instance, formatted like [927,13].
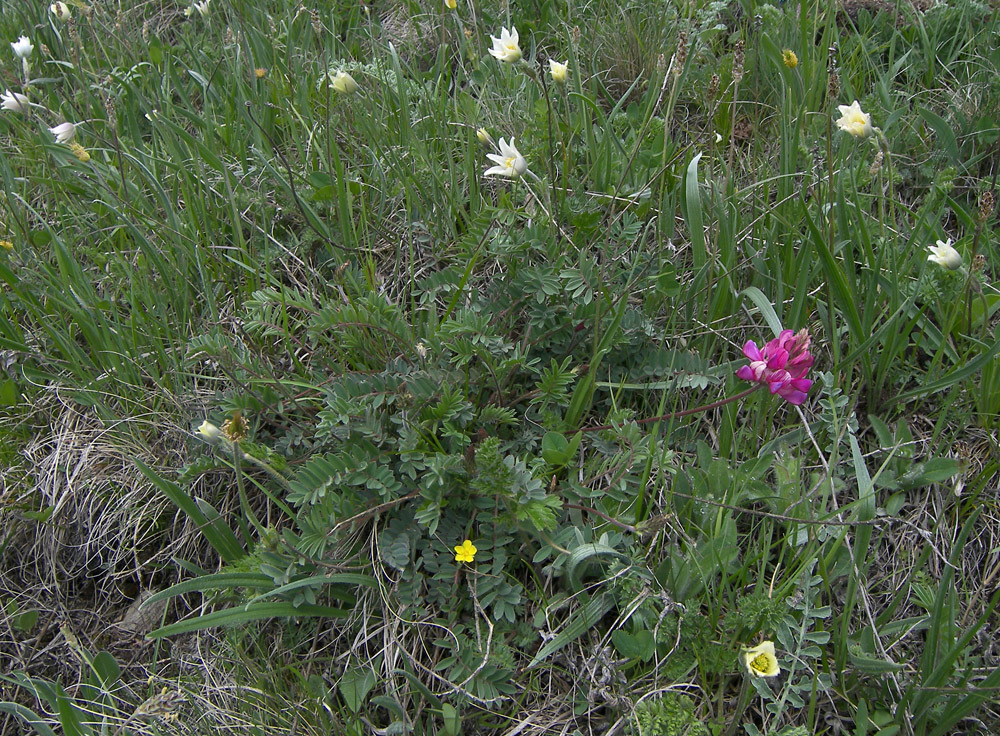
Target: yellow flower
[559,71]
[506,47]
[760,660]
[465,552]
[789,58]
[259,73]
[485,138]
[854,121]
[451,4]
[344,84]
[6,245]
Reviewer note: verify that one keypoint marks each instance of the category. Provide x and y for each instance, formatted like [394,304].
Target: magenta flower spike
[781,365]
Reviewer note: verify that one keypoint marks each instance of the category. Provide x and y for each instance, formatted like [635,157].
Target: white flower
[510,162]
[22,47]
[14,102]
[484,137]
[945,255]
[344,84]
[505,48]
[559,71]
[63,132]
[202,7]
[60,10]
[209,432]
[854,121]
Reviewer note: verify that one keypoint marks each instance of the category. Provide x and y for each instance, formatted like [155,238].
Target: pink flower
[781,364]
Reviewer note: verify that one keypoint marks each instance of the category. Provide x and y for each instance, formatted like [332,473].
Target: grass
[395,354]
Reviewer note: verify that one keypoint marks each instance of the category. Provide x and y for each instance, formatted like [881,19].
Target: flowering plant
[760,660]
[506,47]
[945,255]
[781,365]
[510,162]
[465,552]
[854,120]
[63,132]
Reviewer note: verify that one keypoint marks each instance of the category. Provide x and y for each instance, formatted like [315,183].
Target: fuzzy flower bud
[559,72]
[344,84]
[61,11]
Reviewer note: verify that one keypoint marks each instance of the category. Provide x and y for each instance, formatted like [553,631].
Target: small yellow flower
[6,245]
[559,71]
[854,121]
[465,552]
[344,84]
[79,151]
[259,73]
[789,58]
[760,660]
[451,4]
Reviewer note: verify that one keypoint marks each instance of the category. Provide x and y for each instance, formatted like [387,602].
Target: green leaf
[25,621]
[355,685]
[28,716]
[9,392]
[345,578]
[155,49]
[216,532]
[217,581]
[640,645]
[241,615]
[581,558]
[764,305]
[581,621]
[943,132]
[872,665]
[695,222]
[555,449]
[452,720]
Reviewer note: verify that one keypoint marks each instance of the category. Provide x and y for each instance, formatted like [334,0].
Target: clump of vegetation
[488,369]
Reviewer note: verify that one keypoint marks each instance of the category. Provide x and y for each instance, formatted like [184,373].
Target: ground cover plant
[502,368]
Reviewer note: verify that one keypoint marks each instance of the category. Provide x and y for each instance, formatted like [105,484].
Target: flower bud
[344,84]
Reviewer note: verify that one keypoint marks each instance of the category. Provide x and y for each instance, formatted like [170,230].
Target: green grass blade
[242,615]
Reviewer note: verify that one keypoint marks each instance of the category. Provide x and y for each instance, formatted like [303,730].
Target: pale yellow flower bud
[209,432]
[61,11]
[344,84]
[559,71]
